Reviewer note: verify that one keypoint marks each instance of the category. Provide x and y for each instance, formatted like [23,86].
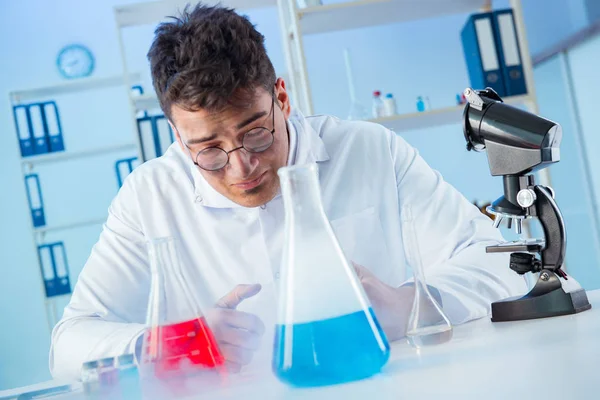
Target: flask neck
[168,279]
[302,195]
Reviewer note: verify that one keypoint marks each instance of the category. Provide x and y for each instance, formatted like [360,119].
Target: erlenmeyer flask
[177,341]
[326,331]
[427,324]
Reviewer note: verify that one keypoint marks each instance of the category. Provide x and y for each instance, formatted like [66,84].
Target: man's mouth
[247,185]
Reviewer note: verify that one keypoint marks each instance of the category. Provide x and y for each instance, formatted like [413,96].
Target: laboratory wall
[571,176]
[416,58]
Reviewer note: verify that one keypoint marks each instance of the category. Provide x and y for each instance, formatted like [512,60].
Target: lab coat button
[199,199]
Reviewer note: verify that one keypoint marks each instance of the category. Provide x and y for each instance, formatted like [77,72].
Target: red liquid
[183,347]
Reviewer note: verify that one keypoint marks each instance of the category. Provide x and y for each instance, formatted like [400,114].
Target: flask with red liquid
[178,342]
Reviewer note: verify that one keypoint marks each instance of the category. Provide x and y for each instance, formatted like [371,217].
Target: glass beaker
[326,331]
[177,341]
[427,324]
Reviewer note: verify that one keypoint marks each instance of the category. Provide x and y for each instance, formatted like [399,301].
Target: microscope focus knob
[526,198]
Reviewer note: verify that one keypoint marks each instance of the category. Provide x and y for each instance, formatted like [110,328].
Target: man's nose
[242,163]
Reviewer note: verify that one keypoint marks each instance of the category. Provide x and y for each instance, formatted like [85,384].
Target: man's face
[249,179]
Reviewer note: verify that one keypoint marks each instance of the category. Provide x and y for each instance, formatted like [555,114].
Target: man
[217,191]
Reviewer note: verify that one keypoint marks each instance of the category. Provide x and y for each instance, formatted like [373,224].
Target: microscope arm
[553,225]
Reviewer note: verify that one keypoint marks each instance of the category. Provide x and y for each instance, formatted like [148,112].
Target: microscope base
[543,301]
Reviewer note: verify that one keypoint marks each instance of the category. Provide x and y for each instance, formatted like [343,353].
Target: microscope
[518,144]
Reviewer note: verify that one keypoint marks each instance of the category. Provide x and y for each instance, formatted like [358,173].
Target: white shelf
[72,225]
[146,102]
[436,117]
[362,13]
[72,155]
[71,86]
[155,11]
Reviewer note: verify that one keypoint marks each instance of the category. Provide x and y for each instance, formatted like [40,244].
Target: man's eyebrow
[202,140]
[242,124]
[251,119]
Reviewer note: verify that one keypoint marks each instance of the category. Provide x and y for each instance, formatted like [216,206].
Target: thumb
[237,295]
[361,272]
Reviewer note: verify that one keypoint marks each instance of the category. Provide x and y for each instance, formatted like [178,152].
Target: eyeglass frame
[271,131]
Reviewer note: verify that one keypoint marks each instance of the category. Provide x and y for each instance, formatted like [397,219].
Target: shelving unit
[153,12]
[62,227]
[363,13]
[435,117]
[79,85]
[145,102]
[30,164]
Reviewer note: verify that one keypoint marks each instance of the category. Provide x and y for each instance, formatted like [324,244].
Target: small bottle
[420,104]
[427,103]
[129,378]
[389,104]
[378,107]
[89,379]
[108,377]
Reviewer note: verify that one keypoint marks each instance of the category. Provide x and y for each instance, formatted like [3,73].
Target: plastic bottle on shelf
[420,104]
[377,105]
[389,105]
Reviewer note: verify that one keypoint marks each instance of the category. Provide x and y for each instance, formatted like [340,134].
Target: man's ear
[177,135]
[283,98]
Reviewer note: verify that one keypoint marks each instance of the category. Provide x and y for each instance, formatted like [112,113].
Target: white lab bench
[553,358]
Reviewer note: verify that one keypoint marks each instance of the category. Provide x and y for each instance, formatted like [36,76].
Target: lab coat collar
[306,146]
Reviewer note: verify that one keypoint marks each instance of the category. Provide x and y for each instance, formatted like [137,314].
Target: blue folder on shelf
[481,53]
[155,135]
[123,168]
[23,125]
[52,126]
[509,52]
[55,270]
[36,202]
[164,133]
[40,138]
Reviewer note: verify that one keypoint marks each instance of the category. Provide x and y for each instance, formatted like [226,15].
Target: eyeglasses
[256,140]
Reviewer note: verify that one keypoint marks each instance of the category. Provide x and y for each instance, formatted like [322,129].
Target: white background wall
[411,59]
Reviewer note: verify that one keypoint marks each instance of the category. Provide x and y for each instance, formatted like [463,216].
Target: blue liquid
[330,351]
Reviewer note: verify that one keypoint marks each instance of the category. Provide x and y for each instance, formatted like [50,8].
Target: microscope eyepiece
[517,142]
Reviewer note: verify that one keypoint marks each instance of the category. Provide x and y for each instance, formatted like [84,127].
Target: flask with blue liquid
[326,332]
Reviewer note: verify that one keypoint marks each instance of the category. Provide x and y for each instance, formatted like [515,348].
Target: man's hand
[238,333]
[392,305]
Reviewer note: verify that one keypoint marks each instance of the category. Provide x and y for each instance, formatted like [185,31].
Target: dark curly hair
[208,58]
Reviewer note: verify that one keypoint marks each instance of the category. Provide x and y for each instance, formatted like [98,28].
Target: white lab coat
[367,175]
